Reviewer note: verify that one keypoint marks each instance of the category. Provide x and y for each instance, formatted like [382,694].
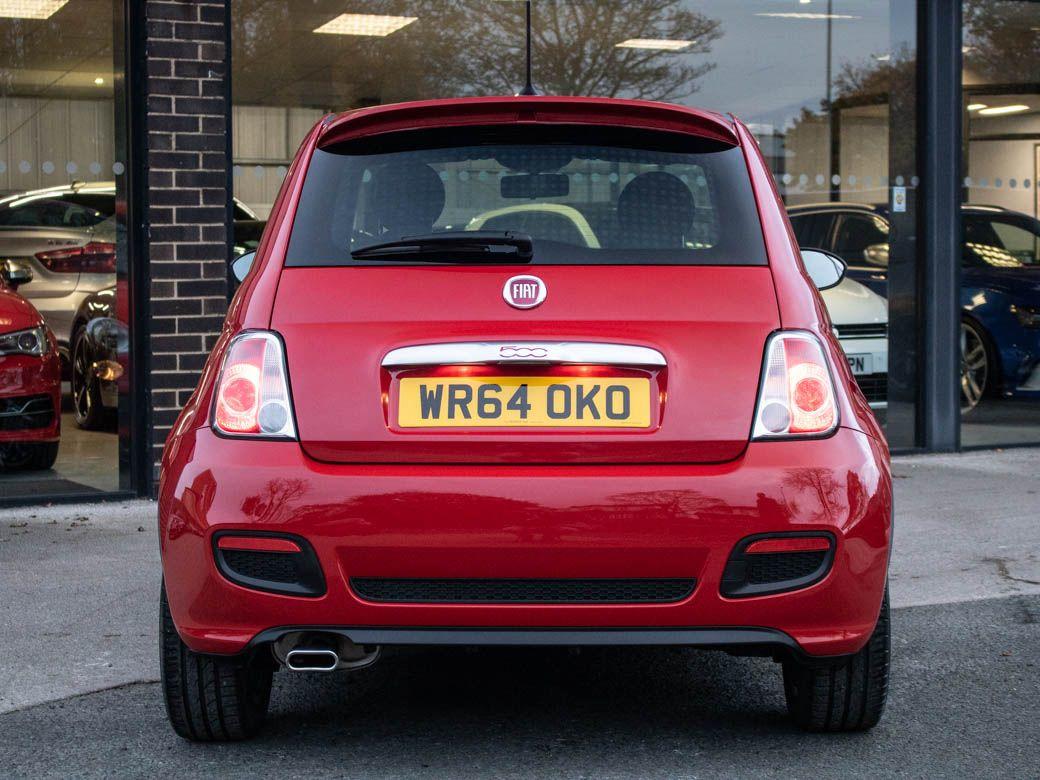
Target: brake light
[252,396]
[97,257]
[797,393]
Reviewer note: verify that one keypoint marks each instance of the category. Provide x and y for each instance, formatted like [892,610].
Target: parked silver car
[67,236]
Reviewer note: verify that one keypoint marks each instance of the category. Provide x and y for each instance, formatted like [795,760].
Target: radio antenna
[528,86]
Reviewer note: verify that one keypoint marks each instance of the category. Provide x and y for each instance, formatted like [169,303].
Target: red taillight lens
[252,396]
[797,395]
[97,257]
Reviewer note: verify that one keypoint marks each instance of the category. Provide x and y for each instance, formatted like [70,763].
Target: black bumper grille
[26,412]
[522,591]
[778,567]
[874,386]
[275,567]
[862,331]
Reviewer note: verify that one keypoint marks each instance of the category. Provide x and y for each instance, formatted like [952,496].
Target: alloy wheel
[80,380]
[974,367]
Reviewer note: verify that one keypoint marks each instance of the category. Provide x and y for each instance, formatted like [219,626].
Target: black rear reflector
[274,571]
[750,573]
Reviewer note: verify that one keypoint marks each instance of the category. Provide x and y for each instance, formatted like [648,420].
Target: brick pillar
[188,196]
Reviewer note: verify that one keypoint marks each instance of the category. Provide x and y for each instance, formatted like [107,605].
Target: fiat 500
[525,371]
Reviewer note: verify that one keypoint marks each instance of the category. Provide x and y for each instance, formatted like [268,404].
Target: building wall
[49,142]
[264,140]
[187,64]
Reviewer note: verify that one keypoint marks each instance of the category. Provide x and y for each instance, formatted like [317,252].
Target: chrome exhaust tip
[312,659]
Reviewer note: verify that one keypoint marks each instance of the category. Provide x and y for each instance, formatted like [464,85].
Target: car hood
[16,313]
[851,303]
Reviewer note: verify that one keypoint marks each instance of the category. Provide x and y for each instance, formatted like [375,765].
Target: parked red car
[525,371]
[30,380]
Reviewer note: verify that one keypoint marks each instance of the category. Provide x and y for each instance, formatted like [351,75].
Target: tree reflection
[1002,44]
[574,47]
[470,47]
[275,505]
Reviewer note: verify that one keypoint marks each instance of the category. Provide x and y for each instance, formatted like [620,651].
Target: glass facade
[63,249]
[830,88]
[1000,262]
[835,113]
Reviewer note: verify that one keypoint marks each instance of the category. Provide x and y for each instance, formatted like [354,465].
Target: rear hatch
[709,324]
[575,295]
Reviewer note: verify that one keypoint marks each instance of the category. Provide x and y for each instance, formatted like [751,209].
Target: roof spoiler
[462,112]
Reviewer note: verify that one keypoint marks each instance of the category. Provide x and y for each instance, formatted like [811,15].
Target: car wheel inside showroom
[417,430]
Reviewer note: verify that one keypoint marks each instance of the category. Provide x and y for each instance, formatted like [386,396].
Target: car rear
[627,428]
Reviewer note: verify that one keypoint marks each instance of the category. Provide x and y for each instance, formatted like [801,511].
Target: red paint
[789,544]
[258,543]
[669,501]
[27,375]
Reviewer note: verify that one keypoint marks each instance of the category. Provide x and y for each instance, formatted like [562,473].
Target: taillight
[97,257]
[797,394]
[252,396]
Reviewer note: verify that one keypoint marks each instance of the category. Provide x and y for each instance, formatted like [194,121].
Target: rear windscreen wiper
[469,246]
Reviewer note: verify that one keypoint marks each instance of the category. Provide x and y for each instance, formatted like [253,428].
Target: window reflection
[830,97]
[1000,292]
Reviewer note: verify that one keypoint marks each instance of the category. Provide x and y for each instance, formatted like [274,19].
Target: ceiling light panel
[663,44]
[805,15]
[998,110]
[30,9]
[364,24]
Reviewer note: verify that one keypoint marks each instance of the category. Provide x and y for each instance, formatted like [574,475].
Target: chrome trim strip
[574,352]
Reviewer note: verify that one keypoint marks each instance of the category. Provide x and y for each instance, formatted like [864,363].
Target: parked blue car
[1000,286]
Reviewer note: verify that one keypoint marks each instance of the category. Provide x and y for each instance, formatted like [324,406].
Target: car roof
[75,188]
[547,109]
[881,208]
[86,188]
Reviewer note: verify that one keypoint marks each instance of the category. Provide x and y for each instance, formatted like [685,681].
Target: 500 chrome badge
[524,292]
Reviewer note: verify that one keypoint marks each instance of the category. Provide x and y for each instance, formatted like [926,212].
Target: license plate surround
[642,420]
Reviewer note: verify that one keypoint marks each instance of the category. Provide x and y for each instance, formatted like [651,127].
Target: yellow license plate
[524,402]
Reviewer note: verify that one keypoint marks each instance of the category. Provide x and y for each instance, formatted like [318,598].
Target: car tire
[87,407]
[29,456]
[977,365]
[849,696]
[211,698]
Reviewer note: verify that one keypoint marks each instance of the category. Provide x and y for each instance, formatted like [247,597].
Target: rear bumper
[629,521]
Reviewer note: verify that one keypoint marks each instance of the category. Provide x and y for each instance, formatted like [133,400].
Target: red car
[30,380]
[525,371]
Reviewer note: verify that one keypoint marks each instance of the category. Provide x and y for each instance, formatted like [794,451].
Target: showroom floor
[1000,422]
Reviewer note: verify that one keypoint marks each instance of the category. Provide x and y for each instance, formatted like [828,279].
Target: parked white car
[860,317]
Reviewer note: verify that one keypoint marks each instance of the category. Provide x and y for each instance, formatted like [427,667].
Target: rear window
[585,196]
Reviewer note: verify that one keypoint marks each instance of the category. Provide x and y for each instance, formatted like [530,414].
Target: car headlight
[1029,316]
[25,342]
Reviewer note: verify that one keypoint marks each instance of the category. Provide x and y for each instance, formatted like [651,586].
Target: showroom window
[63,424]
[1000,282]
[827,86]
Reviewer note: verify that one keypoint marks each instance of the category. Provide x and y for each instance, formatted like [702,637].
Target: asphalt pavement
[963,703]
[78,695]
